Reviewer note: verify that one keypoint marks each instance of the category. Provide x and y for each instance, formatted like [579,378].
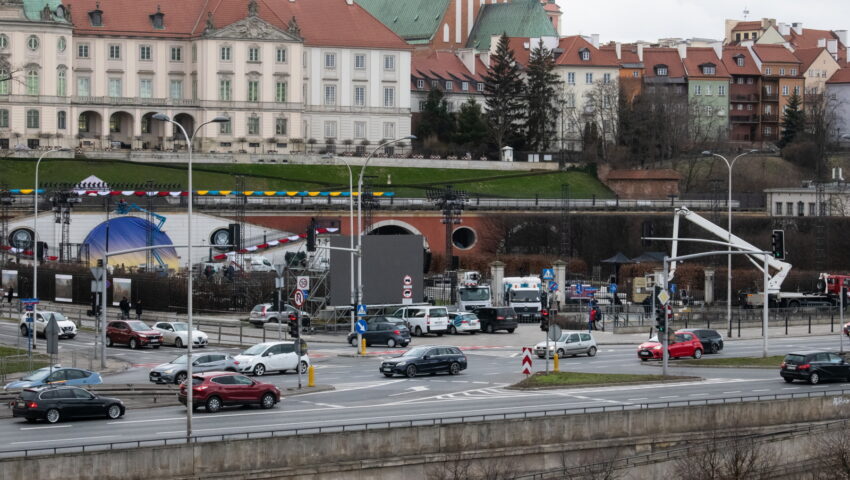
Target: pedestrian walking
[124,305]
[591,320]
[138,309]
[559,299]
[10,294]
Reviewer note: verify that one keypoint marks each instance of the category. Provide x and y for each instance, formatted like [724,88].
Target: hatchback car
[425,359]
[56,403]
[497,318]
[177,334]
[67,328]
[58,376]
[175,371]
[464,322]
[814,366]
[267,313]
[684,344]
[132,333]
[272,356]
[214,390]
[570,343]
[712,340]
[383,333]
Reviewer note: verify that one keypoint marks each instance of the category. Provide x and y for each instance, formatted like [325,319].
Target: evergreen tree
[471,126]
[540,98]
[793,121]
[503,89]
[435,120]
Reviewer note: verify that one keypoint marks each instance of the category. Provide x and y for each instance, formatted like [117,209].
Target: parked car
[497,318]
[570,343]
[464,322]
[214,390]
[383,333]
[425,319]
[814,366]
[266,313]
[272,356]
[425,359]
[56,375]
[177,334]
[175,371]
[67,328]
[56,403]
[712,340]
[684,344]
[132,333]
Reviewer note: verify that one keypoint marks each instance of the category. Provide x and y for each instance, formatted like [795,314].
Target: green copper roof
[520,18]
[33,8]
[412,20]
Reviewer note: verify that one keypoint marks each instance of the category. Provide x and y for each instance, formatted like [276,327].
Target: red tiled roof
[810,36]
[628,52]
[522,47]
[775,53]
[742,26]
[808,56]
[700,55]
[840,76]
[445,65]
[660,174]
[551,7]
[322,22]
[749,68]
[663,56]
[575,44]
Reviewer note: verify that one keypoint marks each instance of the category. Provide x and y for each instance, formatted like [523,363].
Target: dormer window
[661,70]
[708,68]
[158,19]
[584,54]
[420,84]
[96,16]
[739,60]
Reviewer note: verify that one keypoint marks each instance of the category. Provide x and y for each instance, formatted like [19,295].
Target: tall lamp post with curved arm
[729,236]
[360,215]
[189,141]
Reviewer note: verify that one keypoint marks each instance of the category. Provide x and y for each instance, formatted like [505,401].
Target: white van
[426,319]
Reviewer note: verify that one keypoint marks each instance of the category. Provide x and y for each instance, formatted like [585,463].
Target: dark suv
[711,340]
[814,366]
[384,332]
[497,318]
[132,333]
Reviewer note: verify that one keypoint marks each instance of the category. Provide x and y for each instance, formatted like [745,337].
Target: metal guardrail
[28,452]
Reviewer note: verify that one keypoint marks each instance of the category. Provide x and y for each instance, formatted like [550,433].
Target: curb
[619,384]
[656,365]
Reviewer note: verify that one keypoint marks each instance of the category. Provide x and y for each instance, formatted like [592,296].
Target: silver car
[175,370]
[570,343]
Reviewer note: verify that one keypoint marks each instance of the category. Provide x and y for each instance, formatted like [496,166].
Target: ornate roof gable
[252,28]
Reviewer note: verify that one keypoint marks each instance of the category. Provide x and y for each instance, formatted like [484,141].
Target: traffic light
[659,319]
[40,250]
[311,236]
[234,231]
[777,244]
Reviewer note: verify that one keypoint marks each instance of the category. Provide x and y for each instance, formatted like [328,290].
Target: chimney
[798,27]
[683,50]
[842,35]
[467,57]
[784,29]
[618,49]
[594,39]
[832,47]
[718,49]
[821,43]
[640,52]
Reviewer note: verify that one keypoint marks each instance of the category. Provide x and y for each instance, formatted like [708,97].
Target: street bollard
[363,346]
[311,377]
[555,366]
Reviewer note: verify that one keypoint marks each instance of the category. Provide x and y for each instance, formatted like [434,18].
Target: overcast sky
[630,20]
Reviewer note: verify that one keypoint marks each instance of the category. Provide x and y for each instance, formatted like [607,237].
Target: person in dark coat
[10,294]
[138,309]
[124,305]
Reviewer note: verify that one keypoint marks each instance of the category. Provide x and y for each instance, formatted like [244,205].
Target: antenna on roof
[746,12]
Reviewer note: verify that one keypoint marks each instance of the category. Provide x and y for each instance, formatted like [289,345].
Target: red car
[685,344]
[214,390]
[133,333]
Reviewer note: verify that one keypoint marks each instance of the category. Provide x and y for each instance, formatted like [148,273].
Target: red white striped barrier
[526,360]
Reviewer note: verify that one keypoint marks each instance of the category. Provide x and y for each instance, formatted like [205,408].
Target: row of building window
[801,209]
[698,90]
[449,85]
[769,71]
[588,78]
[33,43]
[34,119]
[359,62]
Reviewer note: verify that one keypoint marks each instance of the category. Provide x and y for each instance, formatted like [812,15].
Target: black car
[57,403]
[383,333]
[497,318]
[711,340]
[814,366]
[426,359]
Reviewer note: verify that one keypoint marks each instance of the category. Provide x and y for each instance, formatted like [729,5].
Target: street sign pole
[279,269]
[298,344]
[103,316]
[664,344]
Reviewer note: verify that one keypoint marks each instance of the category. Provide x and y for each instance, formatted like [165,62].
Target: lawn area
[405,182]
[14,360]
[580,379]
[742,362]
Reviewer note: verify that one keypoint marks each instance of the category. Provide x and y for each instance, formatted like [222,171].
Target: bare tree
[595,466]
[832,455]
[451,469]
[727,455]
[822,122]
[601,106]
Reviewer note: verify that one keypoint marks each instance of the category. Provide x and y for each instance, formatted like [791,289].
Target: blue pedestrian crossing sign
[579,289]
[361,310]
[612,288]
[672,288]
[360,326]
[548,274]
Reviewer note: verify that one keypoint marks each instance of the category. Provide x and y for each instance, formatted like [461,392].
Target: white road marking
[733,391]
[637,399]
[791,388]
[669,396]
[697,394]
[43,428]
[762,390]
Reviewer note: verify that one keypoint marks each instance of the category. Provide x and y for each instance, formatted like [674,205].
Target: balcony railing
[769,118]
[769,96]
[751,97]
[90,100]
[744,118]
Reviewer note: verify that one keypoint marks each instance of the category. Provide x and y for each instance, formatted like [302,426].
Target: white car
[177,334]
[464,322]
[67,328]
[570,343]
[272,356]
[426,319]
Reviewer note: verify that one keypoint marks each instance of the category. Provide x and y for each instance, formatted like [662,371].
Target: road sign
[298,298]
[578,289]
[360,326]
[407,293]
[553,286]
[303,283]
[408,280]
[279,282]
[554,333]
[672,287]
[526,360]
[663,297]
[361,310]
[548,274]
[97,273]
[51,333]
[612,288]
[279,269]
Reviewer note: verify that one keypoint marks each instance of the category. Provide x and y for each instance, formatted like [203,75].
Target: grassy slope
[18,173]
[742,362]
[19,363]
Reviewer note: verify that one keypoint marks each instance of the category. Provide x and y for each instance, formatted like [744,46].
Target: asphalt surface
[363,395]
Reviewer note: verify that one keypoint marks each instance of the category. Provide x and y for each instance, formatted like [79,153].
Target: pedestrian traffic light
[311,236]
[777,244]
[659,318]
[40,250]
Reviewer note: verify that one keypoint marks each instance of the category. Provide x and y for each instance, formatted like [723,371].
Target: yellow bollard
[363,347]
[311,377]
[554,366]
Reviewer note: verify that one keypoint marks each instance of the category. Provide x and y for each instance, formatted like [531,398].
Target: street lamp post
[351,242]
[189,142]
[360,216]
[729,165]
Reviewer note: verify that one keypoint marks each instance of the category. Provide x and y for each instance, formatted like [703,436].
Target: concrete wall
[522,444]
